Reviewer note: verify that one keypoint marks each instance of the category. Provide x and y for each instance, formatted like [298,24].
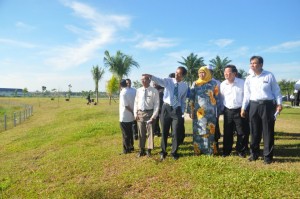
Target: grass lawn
[71,150]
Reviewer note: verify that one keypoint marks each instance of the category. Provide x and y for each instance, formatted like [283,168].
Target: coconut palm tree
[120,64]
[97,73]
[242,73]
[192,63]
[219,66]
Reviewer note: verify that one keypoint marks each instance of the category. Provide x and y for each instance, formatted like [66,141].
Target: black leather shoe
[158,134]
[175,156]
[242,154]
[253,158]
[162,157]
[225,155]
[148,152]
[124,152]
[268,160]
[141,153]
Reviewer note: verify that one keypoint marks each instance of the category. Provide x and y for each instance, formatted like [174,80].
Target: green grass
[71,150]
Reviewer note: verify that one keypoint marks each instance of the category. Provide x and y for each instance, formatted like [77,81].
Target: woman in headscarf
[202,109]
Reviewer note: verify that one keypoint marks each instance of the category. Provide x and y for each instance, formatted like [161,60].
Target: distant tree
[192,63]
[219,66]
[286,87]
[120,64]
[137,84]
[97,75]
[112,87]
[44,89]
[69,91]
[25,91]
[84,93]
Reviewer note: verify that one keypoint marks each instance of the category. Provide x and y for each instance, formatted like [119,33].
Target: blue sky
[55,43]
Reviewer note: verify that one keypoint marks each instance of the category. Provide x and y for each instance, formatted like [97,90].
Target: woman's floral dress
[203,106]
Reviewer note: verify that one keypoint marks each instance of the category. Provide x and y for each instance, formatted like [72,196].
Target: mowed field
[71,150]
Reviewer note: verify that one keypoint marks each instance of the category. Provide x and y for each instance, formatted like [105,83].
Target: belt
[232,109]
[146,110]
[262,101]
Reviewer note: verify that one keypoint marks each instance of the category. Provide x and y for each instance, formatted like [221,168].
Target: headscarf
[207,77]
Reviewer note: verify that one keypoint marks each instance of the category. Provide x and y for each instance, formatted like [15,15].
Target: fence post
[5,122]
[20,115]
[15,119]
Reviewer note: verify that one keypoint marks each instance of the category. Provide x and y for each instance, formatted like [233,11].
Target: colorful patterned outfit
[203,106]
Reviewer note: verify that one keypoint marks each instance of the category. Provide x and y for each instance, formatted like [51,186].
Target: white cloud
[16,43]
[102,30]
[153,44]
[283,70]
[222,42]
[24,26]
[284,47]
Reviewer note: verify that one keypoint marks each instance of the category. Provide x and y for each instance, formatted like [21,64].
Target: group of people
[249,107]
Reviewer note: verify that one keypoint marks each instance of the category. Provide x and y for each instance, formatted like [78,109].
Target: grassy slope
[71,150]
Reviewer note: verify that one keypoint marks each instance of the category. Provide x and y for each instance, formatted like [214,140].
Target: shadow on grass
[283,153]
[287,136]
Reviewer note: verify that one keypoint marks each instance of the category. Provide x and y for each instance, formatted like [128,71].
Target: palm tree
[243,74]
[219,66]
[192,63]
[120,64]
[97,75]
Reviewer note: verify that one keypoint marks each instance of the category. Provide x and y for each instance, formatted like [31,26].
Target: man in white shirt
[292,98]
[172,110]
[232,92]
[262,92]
[132,92]
[126,117]
[146,107]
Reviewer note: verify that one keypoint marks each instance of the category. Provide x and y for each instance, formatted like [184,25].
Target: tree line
[120,66]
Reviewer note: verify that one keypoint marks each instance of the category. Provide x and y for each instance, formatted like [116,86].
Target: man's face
[128,83]
[178,75]
[145,81]
[229,75]
[255,66]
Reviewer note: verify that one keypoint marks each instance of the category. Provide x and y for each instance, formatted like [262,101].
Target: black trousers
[234,121]
[170,116]
[134,132]
[261,116]
[127,136]
[156,126]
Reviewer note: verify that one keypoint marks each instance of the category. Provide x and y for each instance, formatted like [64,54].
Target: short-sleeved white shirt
[126,100]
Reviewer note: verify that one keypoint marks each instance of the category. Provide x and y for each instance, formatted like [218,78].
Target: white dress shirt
[232,93]
[147,99]
[261,87]
[125,100]
[169,85]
